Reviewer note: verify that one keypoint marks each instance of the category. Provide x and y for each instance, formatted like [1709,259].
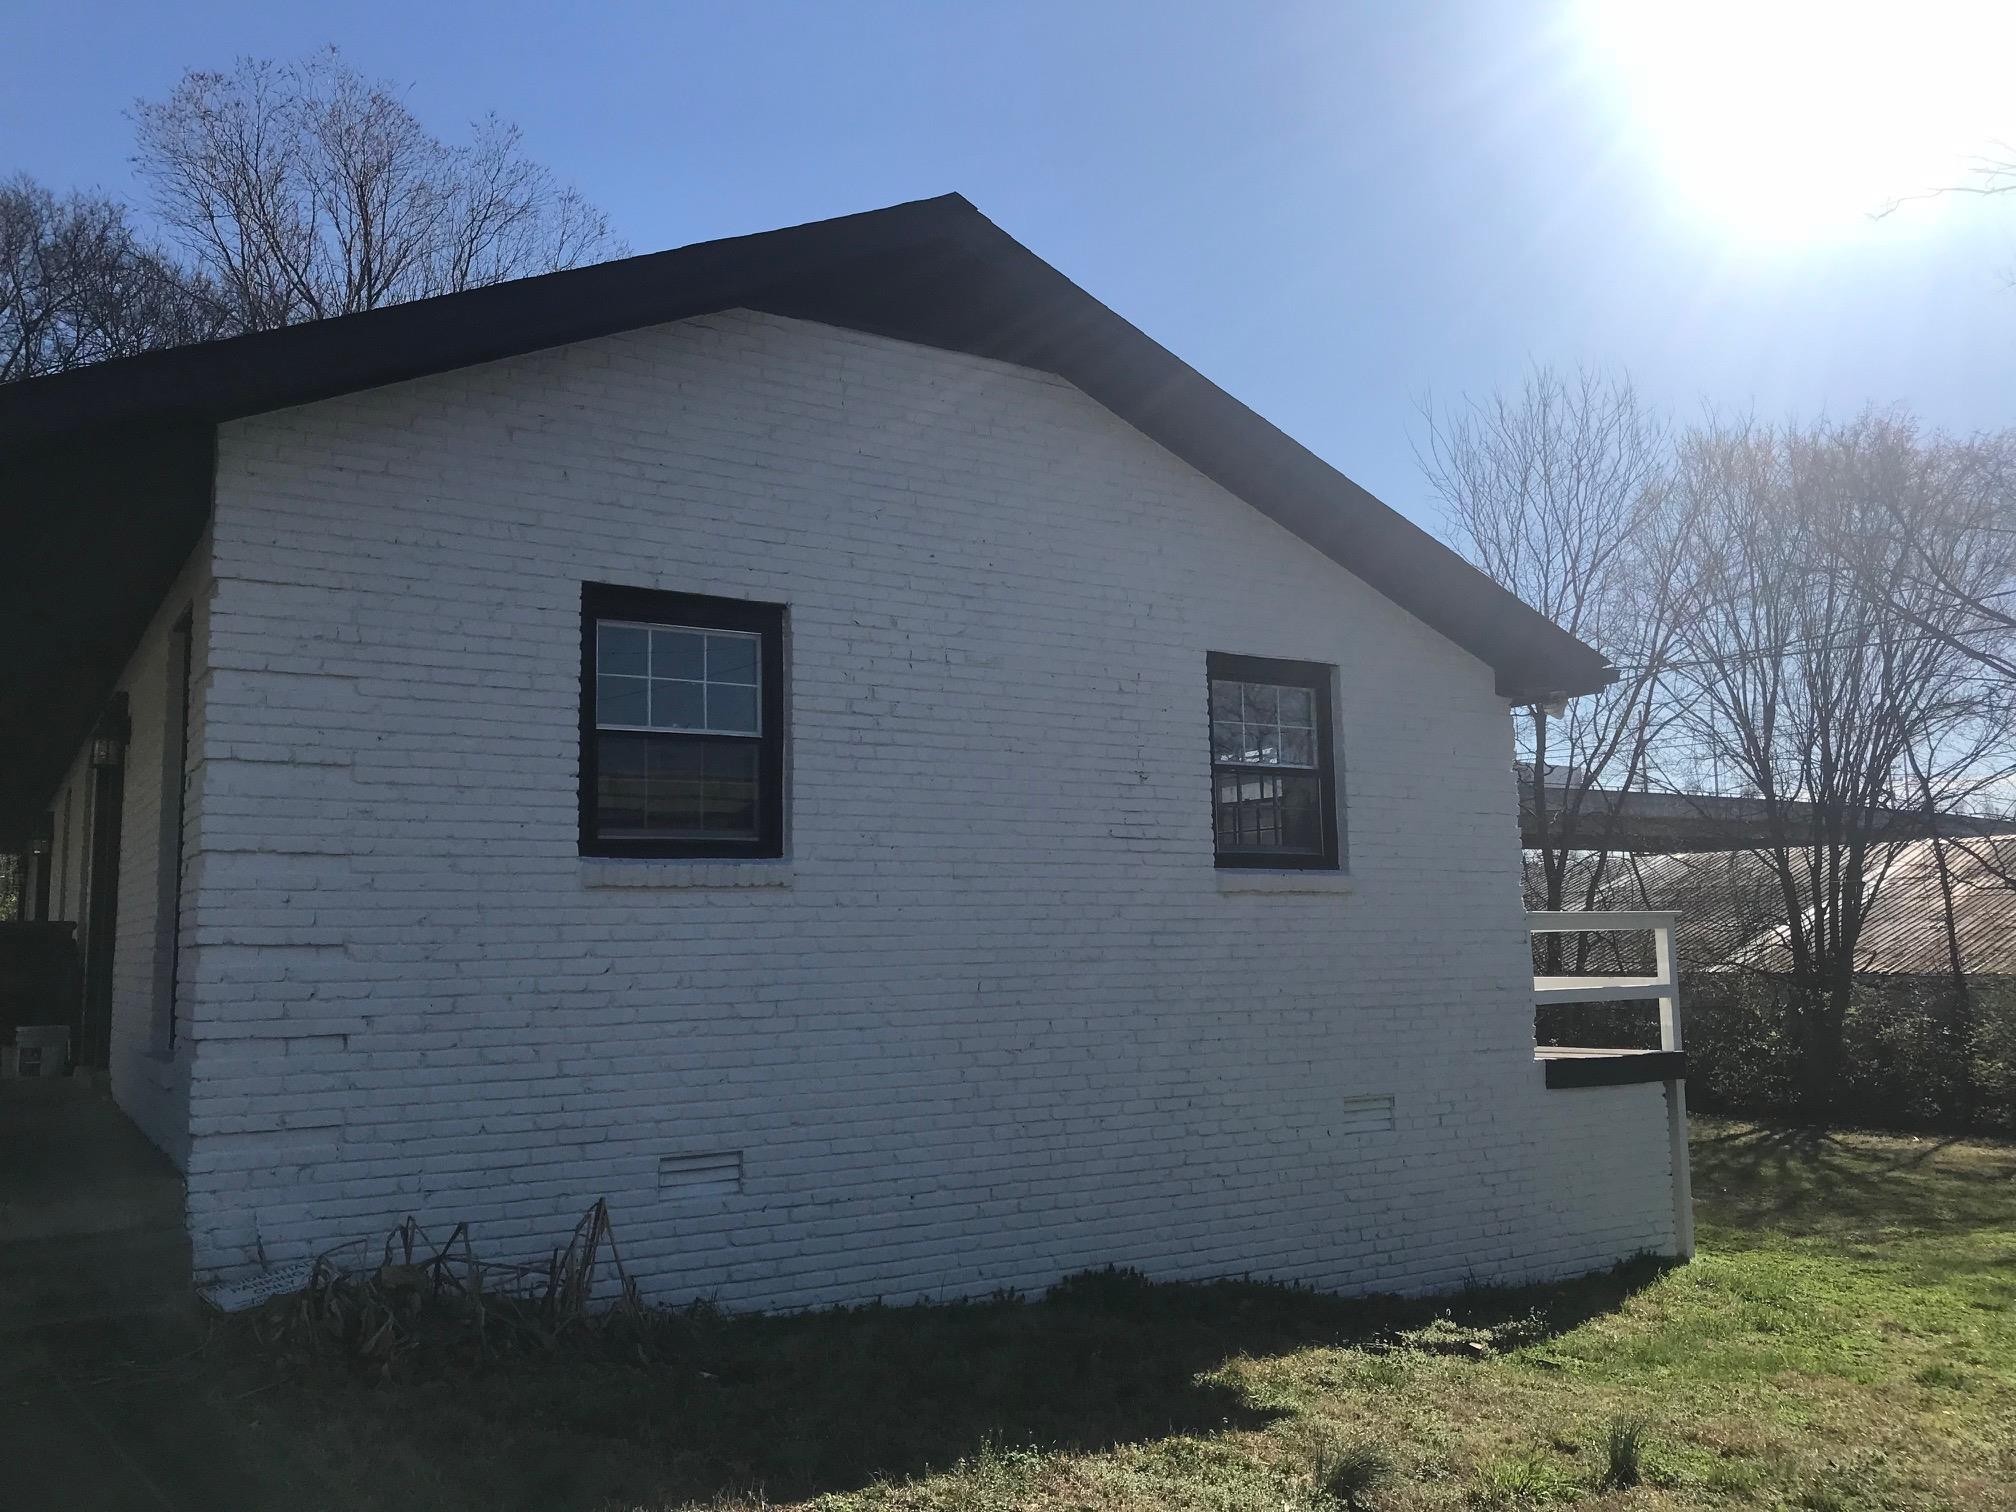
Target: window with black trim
[1273,779]
[682,724]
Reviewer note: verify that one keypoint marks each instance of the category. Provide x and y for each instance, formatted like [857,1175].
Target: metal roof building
[1732,907]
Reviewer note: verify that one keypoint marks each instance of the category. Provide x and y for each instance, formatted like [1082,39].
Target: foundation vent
[1366,1115]
[717,1173]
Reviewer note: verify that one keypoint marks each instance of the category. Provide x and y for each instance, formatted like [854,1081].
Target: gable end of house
[105,472]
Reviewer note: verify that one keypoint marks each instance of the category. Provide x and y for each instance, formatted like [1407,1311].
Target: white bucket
[40,1050]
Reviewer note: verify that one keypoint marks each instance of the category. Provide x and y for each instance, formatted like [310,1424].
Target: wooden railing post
[1663,987]
[1670,1038]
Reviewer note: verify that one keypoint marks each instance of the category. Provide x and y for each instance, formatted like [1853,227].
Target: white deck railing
[1661,987]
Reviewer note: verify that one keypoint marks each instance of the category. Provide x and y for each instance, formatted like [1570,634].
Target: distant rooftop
[1733,911]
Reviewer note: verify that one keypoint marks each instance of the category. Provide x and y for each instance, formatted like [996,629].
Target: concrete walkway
[99,1331]
[74,1165]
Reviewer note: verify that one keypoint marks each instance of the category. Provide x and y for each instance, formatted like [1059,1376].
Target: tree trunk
[1960,1005]
[1820,1014]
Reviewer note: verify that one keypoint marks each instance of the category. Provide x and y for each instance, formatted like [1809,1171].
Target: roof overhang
[101,498]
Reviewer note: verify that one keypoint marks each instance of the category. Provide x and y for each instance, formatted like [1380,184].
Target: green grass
[1845,1342]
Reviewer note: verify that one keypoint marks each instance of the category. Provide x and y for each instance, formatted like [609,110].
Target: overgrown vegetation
[431,1303]
[1917,1054]
[1350,1473]
[1846,1340]
[1625,1448]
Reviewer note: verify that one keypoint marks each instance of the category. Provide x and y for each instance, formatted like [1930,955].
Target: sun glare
[1799,119]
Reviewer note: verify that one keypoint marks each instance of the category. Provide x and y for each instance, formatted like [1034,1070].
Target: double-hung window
[1273,781]
[682,725]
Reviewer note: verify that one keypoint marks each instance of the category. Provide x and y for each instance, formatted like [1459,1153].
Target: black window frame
[1316,677]
[609,601]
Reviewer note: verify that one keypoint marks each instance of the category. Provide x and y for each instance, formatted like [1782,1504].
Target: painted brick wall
[994,1020]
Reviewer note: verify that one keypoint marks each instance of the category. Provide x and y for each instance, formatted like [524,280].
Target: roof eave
[936,272]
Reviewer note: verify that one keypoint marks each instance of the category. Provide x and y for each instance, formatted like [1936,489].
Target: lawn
[1845,1340]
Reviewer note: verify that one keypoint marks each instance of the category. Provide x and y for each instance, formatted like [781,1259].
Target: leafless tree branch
[1559,491]
[78,284]
[305,190]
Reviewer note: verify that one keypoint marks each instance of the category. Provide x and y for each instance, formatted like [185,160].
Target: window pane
[675,787]
[1301,814]
[731,784]
[678,653]
[731,708]
[1274,724]
[678,787]
[622,701]
[622,785]
[621,649]
[677,705]
[683,666]
[1269,811]
[731,658]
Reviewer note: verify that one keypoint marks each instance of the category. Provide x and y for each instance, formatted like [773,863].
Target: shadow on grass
[1800,1181]
[791,1407]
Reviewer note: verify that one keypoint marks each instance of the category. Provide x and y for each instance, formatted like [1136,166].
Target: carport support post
[1676,1092]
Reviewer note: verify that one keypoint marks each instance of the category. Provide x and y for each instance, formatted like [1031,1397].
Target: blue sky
[1331,209]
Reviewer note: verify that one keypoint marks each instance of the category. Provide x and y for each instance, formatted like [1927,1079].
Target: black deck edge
[1620,1070]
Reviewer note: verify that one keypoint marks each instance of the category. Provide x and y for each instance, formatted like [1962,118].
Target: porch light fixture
[110,734]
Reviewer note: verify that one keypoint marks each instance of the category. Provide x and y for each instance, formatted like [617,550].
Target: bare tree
[1953,536]
[1559,492]
[78,284]
[1957,517]
[1836,706]
[305,190]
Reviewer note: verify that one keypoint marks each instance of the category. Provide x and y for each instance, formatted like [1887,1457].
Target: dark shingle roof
[104,471]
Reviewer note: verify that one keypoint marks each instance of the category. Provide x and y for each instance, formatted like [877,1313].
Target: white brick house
[891,920]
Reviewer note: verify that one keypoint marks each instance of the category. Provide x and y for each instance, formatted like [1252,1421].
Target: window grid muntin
[1256,716]
[706,682]
[1260,821]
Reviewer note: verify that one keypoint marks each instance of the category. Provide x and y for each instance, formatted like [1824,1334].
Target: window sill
[616,871]
[1240,879]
